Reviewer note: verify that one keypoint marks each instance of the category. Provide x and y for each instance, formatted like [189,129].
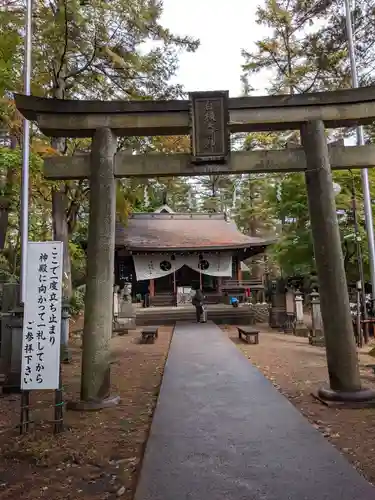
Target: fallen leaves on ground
[296,369]
[98,457]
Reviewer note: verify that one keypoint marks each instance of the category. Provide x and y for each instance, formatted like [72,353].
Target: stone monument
[290,314]
[300,329]
[316,336]
[11,337]
[277,294]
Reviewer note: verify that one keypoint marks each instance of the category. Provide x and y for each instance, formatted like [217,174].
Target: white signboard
[42,316]
[184,295]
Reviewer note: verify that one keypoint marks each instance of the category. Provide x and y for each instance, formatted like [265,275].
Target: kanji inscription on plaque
[209,124]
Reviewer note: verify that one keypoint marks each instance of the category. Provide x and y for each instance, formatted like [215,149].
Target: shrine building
[167,252]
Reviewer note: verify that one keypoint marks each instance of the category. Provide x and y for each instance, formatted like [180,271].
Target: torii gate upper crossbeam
[61,118]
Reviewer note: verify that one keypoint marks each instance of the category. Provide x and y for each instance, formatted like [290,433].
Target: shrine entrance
[185,277]
[209,118]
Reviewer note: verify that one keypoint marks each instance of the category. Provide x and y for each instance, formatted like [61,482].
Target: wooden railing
[252,284]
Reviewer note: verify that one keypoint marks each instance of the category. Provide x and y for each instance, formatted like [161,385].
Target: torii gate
[209,117]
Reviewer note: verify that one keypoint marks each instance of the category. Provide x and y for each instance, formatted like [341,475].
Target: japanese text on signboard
[42,317]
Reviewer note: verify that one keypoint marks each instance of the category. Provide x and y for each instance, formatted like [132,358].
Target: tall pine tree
[305,50]
[90,50]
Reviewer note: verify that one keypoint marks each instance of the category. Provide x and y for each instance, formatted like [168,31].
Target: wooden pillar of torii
[209,117]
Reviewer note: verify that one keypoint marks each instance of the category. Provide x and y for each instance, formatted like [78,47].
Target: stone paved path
[222,431]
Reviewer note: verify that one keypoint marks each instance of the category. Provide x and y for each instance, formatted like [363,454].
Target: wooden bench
[149,334]
[249,334]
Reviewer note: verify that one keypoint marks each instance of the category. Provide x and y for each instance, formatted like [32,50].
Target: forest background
[120,50]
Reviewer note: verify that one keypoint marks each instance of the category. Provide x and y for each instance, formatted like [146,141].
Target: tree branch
[66,38]
[85,66]
[313,82]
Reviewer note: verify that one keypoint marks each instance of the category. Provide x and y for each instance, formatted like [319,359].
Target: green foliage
[7,274]
[98,49]
[78,257]
[85,50]
[77,301]
[10,53]
[287,202]
[305,50]
[284,51]
[217,192]
[252,211]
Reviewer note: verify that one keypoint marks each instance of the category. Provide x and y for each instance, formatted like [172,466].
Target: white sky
[224,27]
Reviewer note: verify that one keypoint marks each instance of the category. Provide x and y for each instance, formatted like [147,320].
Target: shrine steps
[219,314]
[163,300]
[169,299]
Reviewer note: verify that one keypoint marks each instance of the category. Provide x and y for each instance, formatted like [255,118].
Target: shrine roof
[146,232]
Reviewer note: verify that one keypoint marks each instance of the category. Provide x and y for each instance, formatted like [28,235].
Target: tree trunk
[61,233]
[60,202]
[4,220]
[257,269]
[6,199]
[61,227]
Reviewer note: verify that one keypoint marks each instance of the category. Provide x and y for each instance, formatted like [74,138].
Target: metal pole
[361,142]
[25,154]
[361,291]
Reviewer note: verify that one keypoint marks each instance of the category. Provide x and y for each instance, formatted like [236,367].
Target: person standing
[197,302]
[145,293]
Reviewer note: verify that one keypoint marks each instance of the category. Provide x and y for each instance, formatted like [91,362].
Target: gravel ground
[296,369]
[98,457]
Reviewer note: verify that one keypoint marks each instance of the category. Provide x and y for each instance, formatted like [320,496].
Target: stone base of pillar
[115,328]
[365,398]
[93,405]
[123,326]
[126,320]
[288,330]
[288,326]
[65,356]
[317,338]
[277,317]
[301,330]
[317,341]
